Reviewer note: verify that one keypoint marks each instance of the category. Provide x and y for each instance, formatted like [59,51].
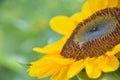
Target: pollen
[94,36]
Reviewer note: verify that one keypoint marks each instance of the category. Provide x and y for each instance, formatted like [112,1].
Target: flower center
[94,36]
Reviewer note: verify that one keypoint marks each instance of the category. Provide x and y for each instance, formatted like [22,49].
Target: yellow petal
[86,11]
[48,71]
[62,25]
[92,68]
[61,75]
[53,48]
[114,51]
[59,59]
[75,68]
[108,63]
[43,68]
[32,71]
[39,69]
[97,5]
[118,4]
[112,3]
[45,71]
[77,18]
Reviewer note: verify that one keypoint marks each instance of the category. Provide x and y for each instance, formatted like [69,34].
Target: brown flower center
[94,36]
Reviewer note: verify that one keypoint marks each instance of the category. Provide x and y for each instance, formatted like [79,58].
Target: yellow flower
[91,39]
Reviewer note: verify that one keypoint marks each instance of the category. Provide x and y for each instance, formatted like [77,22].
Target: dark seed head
[94,36]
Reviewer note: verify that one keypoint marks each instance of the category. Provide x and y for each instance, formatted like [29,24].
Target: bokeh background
[24,24]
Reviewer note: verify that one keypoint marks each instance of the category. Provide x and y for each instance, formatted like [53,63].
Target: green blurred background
[24,24]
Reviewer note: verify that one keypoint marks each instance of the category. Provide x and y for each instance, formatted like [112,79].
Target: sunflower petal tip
[36,49]
[110,64]
[62,25]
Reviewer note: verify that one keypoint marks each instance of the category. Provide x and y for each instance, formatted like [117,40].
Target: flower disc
[94,36]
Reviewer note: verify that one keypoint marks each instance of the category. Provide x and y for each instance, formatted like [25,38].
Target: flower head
[91,40]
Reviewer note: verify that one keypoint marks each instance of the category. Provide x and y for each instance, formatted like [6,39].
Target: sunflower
[91,40]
